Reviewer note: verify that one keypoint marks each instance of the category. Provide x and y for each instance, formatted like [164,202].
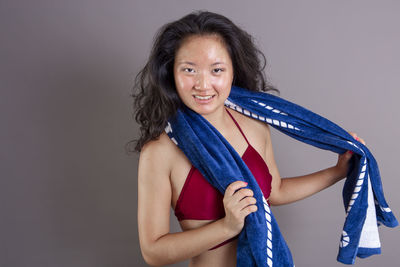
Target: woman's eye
[218,70]
[190,70]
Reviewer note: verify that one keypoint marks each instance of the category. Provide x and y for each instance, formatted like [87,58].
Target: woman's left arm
[288,190]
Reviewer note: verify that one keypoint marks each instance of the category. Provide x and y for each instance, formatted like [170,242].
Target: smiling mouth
[203,97]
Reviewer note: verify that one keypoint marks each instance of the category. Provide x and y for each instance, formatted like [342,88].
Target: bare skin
[163,169]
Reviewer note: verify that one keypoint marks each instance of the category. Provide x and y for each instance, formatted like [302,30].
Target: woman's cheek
[184,82]
[220,81]
[179,83]
[223,83]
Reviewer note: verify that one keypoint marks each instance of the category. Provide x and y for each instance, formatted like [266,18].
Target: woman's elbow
[150,258]
[276,199]
[150,262]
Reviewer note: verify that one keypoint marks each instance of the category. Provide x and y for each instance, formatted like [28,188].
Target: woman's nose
[202,81]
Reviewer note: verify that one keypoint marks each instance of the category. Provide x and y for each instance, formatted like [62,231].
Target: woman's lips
[203,99]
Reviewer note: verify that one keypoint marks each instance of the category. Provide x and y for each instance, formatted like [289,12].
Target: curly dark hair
[156,99]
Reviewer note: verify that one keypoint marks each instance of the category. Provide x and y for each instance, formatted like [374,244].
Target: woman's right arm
[158,246]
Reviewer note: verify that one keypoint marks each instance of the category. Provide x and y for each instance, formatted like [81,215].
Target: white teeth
[203,97]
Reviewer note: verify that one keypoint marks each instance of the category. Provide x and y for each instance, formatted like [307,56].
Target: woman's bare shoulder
[158,153]
[162,144]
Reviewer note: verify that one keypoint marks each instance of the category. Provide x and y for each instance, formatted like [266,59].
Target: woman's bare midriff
[222,256]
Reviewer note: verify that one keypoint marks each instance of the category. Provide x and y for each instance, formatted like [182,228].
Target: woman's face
[203,73]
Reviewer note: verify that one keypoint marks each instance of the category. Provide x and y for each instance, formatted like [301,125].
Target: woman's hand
[238,204]
[343,159]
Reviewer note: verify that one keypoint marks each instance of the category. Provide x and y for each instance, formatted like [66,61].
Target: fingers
[238,203]
[242,193]
[241,197]
[359,139]
[248,209]
[231,189]
[248,205]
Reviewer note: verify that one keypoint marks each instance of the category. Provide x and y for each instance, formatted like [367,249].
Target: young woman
[194,62]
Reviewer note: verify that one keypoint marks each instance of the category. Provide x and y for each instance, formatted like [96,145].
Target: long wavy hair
[154,93]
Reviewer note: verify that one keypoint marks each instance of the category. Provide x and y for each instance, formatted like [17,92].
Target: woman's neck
[219,119]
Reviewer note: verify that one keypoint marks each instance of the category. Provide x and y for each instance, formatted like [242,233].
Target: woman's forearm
[300,187]
[175,247]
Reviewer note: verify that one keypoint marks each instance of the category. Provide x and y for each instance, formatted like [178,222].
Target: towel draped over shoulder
[260,241]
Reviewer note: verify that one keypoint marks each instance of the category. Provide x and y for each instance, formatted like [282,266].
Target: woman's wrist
[339,173]
[228,232]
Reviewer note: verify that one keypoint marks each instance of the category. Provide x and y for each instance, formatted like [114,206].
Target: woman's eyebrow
[194,64]
[217,63]
[187,62]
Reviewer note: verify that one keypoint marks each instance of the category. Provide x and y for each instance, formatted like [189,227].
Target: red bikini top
[199,200]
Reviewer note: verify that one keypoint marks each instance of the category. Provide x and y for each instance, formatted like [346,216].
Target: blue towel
[260,241]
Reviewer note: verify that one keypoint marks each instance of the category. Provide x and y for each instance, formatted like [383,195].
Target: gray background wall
[68,190]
